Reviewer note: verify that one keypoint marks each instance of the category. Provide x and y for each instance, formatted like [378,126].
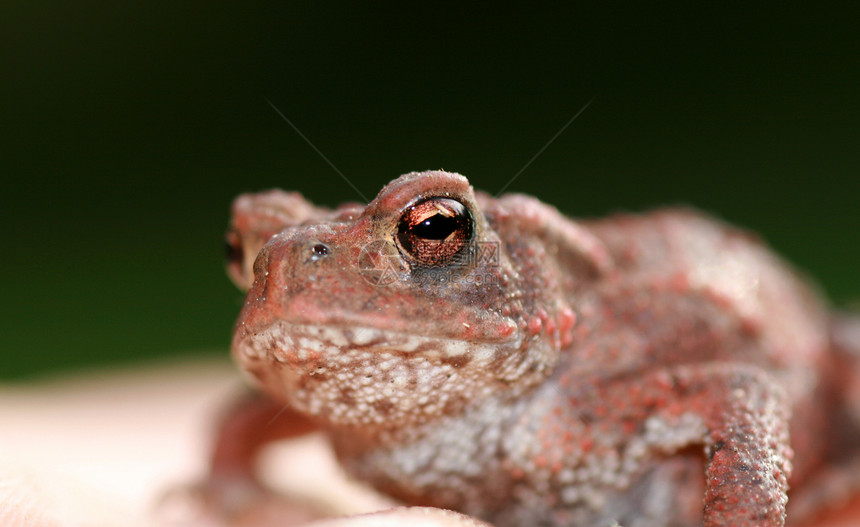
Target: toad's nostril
[320,250]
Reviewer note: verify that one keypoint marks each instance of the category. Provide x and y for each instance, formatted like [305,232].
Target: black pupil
[436,227]
[434,231]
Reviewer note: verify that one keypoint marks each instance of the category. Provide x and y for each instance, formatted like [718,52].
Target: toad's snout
[296,275]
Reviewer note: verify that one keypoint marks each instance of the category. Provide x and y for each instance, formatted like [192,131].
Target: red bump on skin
[550,326]
[541,312]
[567,320]
[680,282]
[506,329]
[586,445]
[535,325]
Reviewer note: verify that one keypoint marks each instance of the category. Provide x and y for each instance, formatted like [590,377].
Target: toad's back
[682,253]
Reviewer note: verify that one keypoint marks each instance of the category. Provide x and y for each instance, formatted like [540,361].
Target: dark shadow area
[128,128]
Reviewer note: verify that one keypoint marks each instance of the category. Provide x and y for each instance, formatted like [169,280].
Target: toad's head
[427,299]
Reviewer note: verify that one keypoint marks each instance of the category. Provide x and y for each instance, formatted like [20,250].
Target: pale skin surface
[99,449]
[588,372]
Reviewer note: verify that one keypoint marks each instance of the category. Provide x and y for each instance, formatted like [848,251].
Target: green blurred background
[127,127]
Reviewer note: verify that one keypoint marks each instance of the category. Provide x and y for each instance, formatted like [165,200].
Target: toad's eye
[234,254]
[434,231]
[234,251]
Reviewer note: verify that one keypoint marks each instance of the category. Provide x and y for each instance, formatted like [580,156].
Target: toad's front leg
[231,493]
[743,415]
[748,452]
[246,427]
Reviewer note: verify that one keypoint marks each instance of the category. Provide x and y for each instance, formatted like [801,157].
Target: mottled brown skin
[528,369]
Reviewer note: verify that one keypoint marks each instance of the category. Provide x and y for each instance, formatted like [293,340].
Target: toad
[494,357]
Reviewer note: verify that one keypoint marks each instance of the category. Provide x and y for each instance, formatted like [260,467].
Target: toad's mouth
[303,345]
